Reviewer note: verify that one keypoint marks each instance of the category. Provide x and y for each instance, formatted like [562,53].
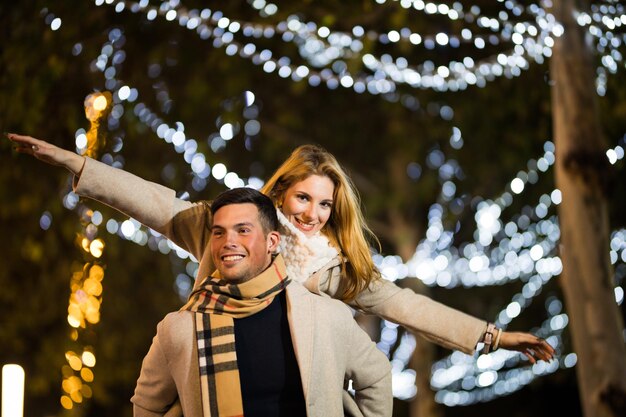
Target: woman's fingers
[533,347]
[24,144]
[37,148]
[541,350]
[546,351]
[21,139]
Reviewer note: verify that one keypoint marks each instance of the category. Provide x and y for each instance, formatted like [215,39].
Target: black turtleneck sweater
[269,375]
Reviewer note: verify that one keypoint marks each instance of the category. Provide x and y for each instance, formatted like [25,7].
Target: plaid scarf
[216,303]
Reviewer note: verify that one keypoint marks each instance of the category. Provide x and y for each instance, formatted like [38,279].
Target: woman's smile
[308,204]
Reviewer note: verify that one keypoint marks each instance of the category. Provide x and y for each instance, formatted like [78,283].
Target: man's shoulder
[180,321]
[176,333]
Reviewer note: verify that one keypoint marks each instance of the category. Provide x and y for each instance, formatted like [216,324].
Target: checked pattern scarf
[216,303]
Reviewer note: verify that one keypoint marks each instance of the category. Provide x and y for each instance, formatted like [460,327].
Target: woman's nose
[309,213]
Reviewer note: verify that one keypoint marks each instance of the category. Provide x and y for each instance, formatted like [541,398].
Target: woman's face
[308,203]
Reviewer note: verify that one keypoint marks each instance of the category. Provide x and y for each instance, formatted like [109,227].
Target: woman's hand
[47,152]
[535,348]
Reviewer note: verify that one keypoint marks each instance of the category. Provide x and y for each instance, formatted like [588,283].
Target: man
[250,342]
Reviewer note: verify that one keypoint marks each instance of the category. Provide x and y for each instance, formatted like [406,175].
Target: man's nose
[231,239]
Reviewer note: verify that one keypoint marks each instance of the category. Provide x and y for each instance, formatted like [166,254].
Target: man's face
[239,247]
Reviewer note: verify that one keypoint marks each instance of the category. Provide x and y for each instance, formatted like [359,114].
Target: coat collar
[300,313]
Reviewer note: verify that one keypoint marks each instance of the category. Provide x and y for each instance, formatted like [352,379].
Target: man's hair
[267,211]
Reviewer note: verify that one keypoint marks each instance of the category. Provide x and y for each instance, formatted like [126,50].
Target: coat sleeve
[370,372]
[152,204]
[155,393]
[421,315]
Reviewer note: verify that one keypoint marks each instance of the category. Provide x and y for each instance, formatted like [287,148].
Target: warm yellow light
[78,275]
[92,316]
[83,300]
[85,244]
[66,385]
[73,321]
[12,391]
[96,272]
[96,248]
[75,363]
[92,287]
[86,390]
[89,359]
[66,371]
[74,310]
[66,402]
[72,384]
[76,396]
[100,103]
[91,304]
[92,313]
[86,375]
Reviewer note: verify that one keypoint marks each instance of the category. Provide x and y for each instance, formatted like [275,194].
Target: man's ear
[273,239]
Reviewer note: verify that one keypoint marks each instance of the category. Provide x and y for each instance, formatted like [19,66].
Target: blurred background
[440,112]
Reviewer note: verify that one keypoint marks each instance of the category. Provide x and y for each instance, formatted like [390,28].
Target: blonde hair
[346,228]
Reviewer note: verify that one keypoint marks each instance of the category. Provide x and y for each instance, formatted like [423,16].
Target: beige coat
[330,349]
[186,224]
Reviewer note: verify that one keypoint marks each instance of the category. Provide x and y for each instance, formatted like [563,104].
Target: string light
[520,249]
[86,283]
[610,17]
[321,47]
[526,258]
[387,72]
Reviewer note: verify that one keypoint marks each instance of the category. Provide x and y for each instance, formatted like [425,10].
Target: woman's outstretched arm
[150,203]
[430,319]
[48,152]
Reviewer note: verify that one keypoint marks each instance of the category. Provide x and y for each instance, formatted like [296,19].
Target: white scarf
[303,255]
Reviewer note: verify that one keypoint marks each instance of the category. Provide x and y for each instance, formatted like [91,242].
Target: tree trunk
[582,176]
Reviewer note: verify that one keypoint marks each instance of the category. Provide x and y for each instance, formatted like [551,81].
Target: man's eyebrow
[218,227]
[248,224]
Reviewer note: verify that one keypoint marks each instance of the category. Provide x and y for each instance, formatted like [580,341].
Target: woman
[323,240]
